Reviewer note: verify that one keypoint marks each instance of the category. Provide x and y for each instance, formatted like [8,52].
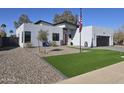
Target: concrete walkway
[113,74]
[52,51]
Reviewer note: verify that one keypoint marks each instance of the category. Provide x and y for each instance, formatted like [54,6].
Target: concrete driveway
[113,74]
[115,48]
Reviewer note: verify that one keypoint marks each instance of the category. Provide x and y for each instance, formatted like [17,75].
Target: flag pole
[80,42]
[80,27]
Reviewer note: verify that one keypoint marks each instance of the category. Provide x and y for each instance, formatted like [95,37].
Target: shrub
[71,44]
[86,44]
[53,44]
[2,34]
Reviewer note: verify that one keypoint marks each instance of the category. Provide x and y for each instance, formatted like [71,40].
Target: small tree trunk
[38,45]
[45,50]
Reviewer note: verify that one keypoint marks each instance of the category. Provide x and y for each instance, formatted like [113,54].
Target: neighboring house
[64,33]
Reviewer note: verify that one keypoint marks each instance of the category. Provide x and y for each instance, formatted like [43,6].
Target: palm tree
[11,31]
[3,26]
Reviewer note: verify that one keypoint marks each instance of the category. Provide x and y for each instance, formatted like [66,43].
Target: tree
[2,31]
[22,19]
[119,36]
[3,26]
[11,31]
[56,18]
[2,34]
[42,37]
[66,16]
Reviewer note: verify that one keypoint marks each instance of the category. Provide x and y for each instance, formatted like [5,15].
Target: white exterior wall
[71,29]
[19,34]
[89,35]
[62,26]
[86,36]
[34,33]
[53,29]
[34,29]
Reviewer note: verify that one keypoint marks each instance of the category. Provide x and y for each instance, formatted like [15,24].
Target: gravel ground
[18,66]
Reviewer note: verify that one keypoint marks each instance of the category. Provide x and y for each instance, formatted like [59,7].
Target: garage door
[102,40]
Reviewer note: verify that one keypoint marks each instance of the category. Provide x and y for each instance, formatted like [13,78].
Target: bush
[28,45]
[2,34]
[86,44]
[53,44]
[71,44]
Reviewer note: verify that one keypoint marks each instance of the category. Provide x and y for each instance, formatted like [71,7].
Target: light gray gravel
[20,66]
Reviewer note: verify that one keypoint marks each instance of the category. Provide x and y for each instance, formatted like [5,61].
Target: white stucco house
[64,33]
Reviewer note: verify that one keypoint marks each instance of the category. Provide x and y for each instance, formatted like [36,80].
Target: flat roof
[42,21]
[65,22]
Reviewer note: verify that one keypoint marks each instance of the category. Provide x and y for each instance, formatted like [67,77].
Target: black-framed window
[55,36]
[70,36]
[27,36]
[22,37]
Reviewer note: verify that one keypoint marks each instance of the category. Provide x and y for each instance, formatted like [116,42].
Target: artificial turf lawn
[74,64]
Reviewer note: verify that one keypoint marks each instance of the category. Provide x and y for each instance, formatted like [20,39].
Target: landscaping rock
[20,66]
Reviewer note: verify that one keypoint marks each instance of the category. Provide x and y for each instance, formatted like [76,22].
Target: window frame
[55,36]
[27,40]
[22,37]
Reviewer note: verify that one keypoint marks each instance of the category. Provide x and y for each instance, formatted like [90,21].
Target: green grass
[75,64]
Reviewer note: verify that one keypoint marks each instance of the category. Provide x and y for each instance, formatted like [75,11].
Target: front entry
[66,39]
[102,41]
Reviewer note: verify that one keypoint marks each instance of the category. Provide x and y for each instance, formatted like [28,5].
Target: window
[27,36]
[22,37]
[70,36]
[55,36]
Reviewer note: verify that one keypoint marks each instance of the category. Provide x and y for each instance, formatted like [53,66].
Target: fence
[9,42]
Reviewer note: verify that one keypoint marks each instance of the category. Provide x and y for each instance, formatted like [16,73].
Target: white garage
[92,36]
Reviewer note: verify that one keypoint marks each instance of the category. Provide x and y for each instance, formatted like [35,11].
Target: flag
[80,21]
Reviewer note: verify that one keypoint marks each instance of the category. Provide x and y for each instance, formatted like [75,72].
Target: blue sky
[105,17]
